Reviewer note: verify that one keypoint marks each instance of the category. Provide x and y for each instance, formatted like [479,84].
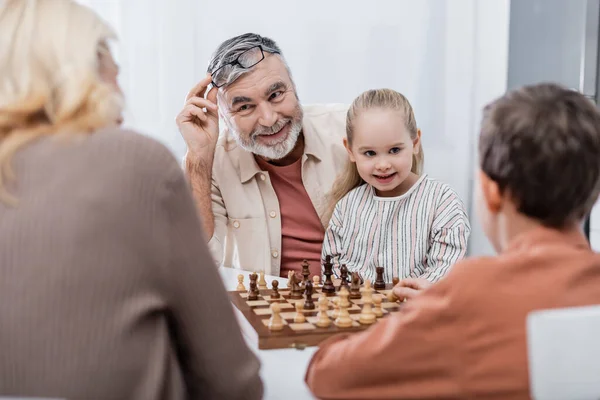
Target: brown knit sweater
[107,289]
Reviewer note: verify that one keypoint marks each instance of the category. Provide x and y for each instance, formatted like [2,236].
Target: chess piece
[275,293]
[336,307]
[253,290]
[296,292]
[344,277]
[240,285]
[316,281]
[299,317]
[289,283]
[343,319]
[355,286]
[323,320]
[379,282]
[328,287]
[262,284]
[391,296]
[367,316]
[377,310]
[309,304]
[305,272]
[275,322]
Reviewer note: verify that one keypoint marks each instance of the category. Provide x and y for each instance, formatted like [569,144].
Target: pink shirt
[301,229]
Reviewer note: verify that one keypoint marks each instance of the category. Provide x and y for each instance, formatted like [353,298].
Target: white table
[282,370]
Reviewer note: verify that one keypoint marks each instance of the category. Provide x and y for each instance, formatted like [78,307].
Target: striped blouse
[419,234]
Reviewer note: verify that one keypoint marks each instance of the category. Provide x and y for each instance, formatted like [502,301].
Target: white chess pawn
[367,316]
[343,320]
[240,285]
[299,317]
[275,322]
[323,320]
[316,281]
[377,310]
[262,284]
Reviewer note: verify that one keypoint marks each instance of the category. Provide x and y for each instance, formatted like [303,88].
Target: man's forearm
[199,172]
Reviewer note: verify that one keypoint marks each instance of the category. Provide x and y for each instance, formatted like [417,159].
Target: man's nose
[268,116]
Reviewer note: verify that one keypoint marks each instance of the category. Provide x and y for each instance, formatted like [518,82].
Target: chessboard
[300,331]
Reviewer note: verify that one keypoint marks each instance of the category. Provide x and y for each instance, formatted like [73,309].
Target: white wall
[448,57]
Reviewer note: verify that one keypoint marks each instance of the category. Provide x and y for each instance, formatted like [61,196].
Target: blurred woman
[107,290]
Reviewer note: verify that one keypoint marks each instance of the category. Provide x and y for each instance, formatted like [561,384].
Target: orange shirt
[301,229]
[465,337]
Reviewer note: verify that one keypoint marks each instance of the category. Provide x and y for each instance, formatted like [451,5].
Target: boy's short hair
[541,145]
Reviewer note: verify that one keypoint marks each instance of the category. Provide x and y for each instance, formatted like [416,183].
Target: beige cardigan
[107,288]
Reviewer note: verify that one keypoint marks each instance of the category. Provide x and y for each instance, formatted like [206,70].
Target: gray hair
[230,50]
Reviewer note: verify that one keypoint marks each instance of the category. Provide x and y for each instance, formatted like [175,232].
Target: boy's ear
[491,193]
[417,142]
[347,146]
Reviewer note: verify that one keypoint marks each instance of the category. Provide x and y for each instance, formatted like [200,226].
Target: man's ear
[349,150]
[491,193]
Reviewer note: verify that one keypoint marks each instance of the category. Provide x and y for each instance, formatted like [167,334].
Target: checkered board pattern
[254,317]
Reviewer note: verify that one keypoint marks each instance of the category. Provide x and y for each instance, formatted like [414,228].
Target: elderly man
[261,179]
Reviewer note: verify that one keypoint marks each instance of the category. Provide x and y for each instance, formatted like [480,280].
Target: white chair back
[564,353]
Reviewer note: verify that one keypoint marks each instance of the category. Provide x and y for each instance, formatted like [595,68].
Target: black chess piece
[344,277]
[253,289]
[355,286]
[328,287]
[379,282]
[275,293]
[309,304]
[305,272]
[296,291]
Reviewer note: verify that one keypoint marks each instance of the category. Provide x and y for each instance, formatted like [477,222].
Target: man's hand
[198,122]
[410,287]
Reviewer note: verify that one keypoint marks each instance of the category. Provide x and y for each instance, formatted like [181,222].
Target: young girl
[383,211]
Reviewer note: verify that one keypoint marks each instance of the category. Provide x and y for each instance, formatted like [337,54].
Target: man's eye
[275,95]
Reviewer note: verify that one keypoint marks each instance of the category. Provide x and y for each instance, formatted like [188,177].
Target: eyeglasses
[247,59]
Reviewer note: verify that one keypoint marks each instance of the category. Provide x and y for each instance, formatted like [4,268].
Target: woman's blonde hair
[49,75]
[386,99]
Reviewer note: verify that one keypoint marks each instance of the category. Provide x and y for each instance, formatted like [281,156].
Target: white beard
[272,152]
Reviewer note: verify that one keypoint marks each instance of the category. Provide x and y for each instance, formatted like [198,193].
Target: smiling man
[260,164]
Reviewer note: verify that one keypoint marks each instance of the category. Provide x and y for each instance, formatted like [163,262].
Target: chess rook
[379,282]
[253,290]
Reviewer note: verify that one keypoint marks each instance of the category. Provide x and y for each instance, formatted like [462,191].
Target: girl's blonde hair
[386,99]
[49,75]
